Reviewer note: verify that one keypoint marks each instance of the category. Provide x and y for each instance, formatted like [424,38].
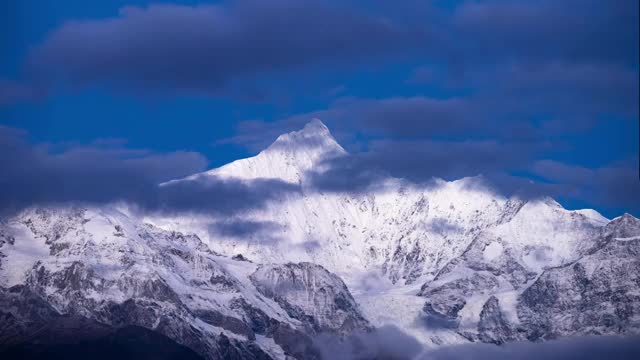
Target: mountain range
[444,262]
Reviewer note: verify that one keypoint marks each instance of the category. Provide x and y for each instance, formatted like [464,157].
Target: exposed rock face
[118,273]
[593,294]
[311,294]
[596,295]
[21,311]
[444,302]
[493,327]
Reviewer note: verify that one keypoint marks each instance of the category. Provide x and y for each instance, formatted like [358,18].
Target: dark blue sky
[515,90]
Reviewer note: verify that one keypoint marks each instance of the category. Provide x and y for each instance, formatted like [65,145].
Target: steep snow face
[288,158]
[408,231]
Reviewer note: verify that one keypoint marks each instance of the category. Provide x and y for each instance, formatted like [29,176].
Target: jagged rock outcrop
[311,294]
[116,272]
[444,302]
[593,293]
[493,327]
[596,295]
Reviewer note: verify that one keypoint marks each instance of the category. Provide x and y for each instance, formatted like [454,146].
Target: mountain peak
[316,126]
[314,135]
[289,157]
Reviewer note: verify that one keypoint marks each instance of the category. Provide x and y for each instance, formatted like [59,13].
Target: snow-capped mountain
[288,158]
[450,262]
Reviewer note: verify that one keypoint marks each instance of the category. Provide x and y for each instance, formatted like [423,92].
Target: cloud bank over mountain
[520,92]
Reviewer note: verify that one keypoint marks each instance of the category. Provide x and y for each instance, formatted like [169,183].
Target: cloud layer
[524,93]
[519,91]
[583,348]
[199,48]
[388,342]
[108,171]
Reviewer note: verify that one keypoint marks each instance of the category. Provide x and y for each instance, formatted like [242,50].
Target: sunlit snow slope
[402,236]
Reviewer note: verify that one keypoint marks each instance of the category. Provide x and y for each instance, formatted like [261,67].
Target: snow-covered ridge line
[448,264]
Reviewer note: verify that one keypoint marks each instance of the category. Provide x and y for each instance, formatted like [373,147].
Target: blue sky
[515,90]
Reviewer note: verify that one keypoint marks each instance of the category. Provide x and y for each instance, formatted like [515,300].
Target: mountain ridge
[287,158]
[447,264]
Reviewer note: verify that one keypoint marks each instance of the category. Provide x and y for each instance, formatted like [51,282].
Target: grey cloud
[443,226]
[213,195]
[421,161]
[310,245]
[414,115]
[512,101]
[371,282]
[526,77]
[505,153]
[616,184]
[247,230]
[436,322]
[575,30]
[387,342]
[452,159]
[523,103]
[513,185]
[583,348]
[38,174]
[566,90]
[200,48]
[347,173]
